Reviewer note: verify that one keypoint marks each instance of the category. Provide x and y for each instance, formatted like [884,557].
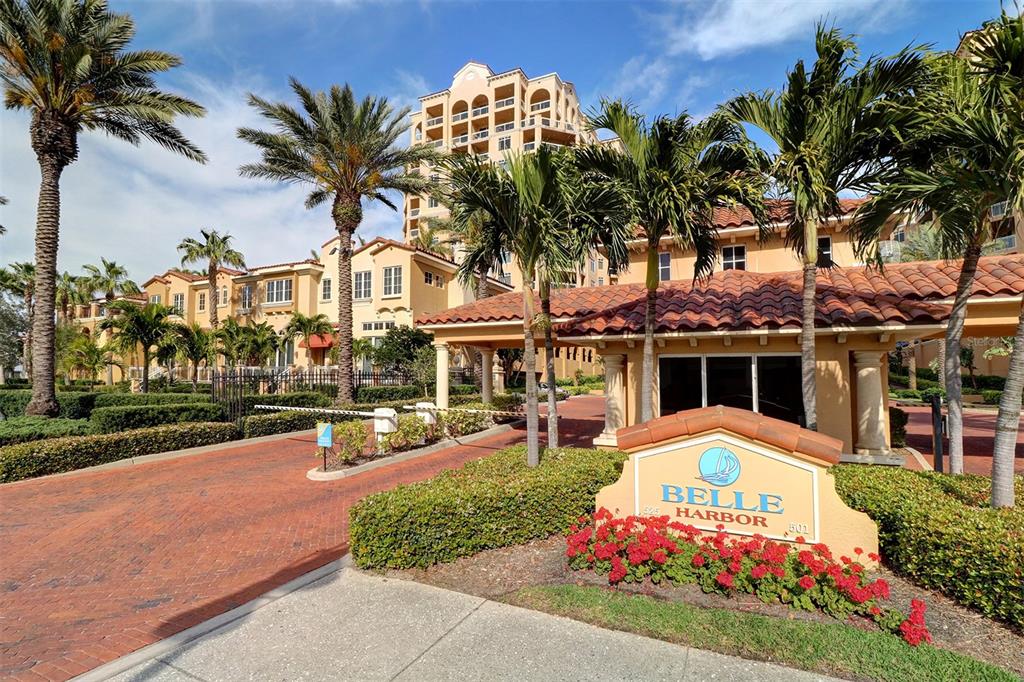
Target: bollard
[937,432]
[425,411]
[385,420]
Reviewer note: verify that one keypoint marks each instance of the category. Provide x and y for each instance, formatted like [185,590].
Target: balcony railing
[529,146]
[480,111]
[483,156]
[481,134]
[461,139]
[461,116]
[546,104]
[502,103]
[502,127]
[413,212]
[436,121]
[437,144]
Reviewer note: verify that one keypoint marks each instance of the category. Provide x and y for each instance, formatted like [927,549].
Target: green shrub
[926,394]
[186,387]
[294,399]
[135,399]
[379,394]
[462,389]
[125,417]
[411,432]
[508,402]
[55,455]
[990,382]
[351,438]
[25,429]
[897,427]
[992,397]
[584,389]
[458,424]
[286,422]
[907,394]
[493,502]
[73,404]
[939,531]
[453,401]
[927,373]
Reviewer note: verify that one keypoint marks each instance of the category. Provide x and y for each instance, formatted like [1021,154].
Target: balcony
[460,140]
[414,212]
[511,125]
[529,146]
[436,121]
[546,104]
[481,111]
[484,156]
[461,116]
[503,103]
[481,134]
[437,144]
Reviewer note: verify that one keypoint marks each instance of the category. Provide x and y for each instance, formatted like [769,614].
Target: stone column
[614,400]
[442,374]
[871,437]
[487,374]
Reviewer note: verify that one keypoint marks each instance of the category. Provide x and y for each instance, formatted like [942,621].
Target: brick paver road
[95,565]
[979,432]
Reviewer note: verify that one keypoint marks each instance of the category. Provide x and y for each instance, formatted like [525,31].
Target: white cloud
[134,205]
[729,27]
[654,85]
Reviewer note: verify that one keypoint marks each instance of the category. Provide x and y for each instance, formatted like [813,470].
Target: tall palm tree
[195,345]
[215,250]
[834,128]
[674,173]
[112,281]
[347,152]
[257,343]
[137,326]
[308,326]
[86,356]
[362,349]
[72,291]
[66,62]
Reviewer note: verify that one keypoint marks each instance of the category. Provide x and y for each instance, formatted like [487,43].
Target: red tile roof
[783,435]
[901,293]
[282,265]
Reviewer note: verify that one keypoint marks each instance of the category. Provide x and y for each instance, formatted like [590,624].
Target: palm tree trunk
[1008,422]
[26,343]
[145,370]
[211,278]
[549,362]
[650,310]
[912,367]
[109,297]
[808,354]
[951,364]
[195,376]
[347,213]
[478,358]
[44,397]
[530,361]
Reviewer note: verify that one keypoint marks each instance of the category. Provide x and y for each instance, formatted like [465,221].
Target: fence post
[937,433]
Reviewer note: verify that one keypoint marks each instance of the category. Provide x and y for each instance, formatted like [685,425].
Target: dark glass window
[730,382]
[679,384]
[778,388]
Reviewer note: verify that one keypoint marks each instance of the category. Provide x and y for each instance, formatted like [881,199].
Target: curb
[315,474]
[919,458]
[891,459]
[164,646]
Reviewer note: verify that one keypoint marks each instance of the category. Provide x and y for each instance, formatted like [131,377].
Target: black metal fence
[381,378]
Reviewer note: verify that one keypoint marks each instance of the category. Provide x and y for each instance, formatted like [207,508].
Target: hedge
[285,422]
[493,502]
[380,394]
[125,417]
[56,455]
[25,429]
[294,399]
[939,531]
[991,397]
[135,399]
[897,427]
[73,404]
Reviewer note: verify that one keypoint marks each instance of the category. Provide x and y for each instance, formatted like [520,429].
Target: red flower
[724,579]
[698,559]
[858,551]
[875,611]
[778,571]
[807,582]
[880,588]
[800,539]
[618,571]
[759,571]
[874,557]
[734,567]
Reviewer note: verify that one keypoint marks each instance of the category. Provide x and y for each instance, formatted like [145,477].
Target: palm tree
[346,151]
[834,128]
[257,343]
[72,291]
[428,238]
[195,345]
[215,250]
[362,349]
[112,281]
[308,326]
[65,62]
[674,173]
[229,341]
[137,326]
[20,280]
[86,356]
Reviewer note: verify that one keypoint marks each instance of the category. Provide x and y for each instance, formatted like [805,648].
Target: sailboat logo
[719,466]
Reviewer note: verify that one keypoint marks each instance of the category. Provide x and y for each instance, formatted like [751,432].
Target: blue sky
[134,205]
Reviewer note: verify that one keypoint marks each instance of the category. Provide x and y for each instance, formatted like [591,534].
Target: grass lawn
[827,648]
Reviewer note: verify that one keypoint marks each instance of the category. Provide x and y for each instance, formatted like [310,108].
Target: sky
[134,204]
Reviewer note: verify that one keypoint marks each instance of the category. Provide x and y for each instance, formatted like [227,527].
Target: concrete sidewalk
[354,626]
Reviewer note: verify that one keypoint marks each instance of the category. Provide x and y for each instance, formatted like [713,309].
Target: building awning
[318,341]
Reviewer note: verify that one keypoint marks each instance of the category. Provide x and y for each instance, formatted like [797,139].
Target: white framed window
[363,288]
[246,297]
[393,280]
[202,301]
[223,298]
[600,281]
[428,277]
[593,265]
[178,303]
[734,257]
[504,143]
[325,289]
[439,281]
[155,298]
[378,326]
[279,291]
[824,251]
[899,235]
[664,266]
[432,202]
[600,263]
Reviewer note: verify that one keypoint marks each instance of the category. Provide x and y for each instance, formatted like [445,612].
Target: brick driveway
[979,432]
[96,565]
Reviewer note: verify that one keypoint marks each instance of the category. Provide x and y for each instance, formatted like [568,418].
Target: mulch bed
[493,574]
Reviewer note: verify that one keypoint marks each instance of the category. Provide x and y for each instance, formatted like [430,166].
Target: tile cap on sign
[779,434]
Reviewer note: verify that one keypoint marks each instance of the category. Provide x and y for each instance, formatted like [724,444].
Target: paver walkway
[355,626]
[979,432]
[98,564]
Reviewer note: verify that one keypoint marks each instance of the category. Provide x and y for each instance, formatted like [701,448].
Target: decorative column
[871,438]
[614,400]
[487,374]
[441,388]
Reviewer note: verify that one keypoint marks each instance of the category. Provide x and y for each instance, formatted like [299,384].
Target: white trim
[977,298]
[786,331]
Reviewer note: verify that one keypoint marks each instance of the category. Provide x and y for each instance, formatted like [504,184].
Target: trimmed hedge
[493,502]
[285,422]
[897,427]
[135,399]
[125,417]
[26,429]
[462,389]
[56,455]
[294,399]
[991,397]
[73,404]
[380,394]
[939,531]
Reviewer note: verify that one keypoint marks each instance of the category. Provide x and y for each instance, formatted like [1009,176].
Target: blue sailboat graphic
[719,466]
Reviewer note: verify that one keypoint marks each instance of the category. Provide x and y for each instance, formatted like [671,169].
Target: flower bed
[635,549]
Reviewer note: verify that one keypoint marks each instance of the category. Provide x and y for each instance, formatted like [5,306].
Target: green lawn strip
[827,648]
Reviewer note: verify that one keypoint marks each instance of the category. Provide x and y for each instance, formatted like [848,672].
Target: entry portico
[735,339]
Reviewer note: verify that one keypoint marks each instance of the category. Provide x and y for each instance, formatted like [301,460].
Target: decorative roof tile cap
[776,433]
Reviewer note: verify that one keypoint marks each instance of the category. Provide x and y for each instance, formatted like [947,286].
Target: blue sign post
[324,439]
